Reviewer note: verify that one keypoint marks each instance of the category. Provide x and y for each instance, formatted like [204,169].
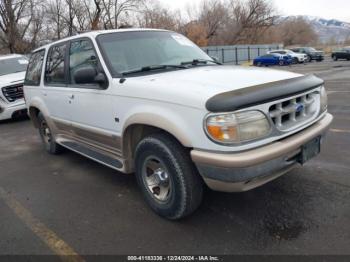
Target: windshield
[311,49]
[128,51]
[13,65]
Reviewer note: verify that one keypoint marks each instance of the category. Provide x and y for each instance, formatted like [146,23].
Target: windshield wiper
[152,68]
[200,61]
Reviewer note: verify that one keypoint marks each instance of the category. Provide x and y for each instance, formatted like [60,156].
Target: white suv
[296,57]
[12,71]
[153,103]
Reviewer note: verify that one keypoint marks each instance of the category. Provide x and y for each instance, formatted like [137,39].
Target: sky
[328,9]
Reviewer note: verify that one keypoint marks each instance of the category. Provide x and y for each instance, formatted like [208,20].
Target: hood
[193,87]
[317,52]
[10,79]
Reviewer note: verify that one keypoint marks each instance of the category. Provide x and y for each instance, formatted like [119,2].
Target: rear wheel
[167,176]
[295,60]
[335,58]
[46,136]
[281,63]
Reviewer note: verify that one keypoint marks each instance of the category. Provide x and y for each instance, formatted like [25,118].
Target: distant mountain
[327,29]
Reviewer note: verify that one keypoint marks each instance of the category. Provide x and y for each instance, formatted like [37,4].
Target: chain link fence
[238,54]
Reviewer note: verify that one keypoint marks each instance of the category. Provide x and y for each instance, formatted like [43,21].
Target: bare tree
[116,10]
[212,16]
[294,31]
[16,18]
[55,14]
[156,16]
[247,20]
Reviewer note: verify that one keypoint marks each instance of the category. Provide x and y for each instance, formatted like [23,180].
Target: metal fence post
[248,53]
[236,55]
[223,55]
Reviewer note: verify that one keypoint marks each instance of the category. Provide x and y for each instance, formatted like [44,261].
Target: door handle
[71,96]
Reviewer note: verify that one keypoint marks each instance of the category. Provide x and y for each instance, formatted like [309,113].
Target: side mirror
[89,75]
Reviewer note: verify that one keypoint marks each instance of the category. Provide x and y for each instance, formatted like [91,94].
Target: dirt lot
[92,209]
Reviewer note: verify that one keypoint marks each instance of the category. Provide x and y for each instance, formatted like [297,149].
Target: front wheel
[46,136]
[281,63]
[167,177]
[335,58]
[295,60]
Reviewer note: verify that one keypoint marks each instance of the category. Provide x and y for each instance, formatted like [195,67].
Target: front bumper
[244,171]
[7,111]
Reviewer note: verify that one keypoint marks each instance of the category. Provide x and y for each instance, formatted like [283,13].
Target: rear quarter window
[34,68]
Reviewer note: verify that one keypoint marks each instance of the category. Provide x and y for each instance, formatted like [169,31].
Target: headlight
[237,127]
[323,99]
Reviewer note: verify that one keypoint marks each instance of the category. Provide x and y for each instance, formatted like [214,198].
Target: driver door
[92,118]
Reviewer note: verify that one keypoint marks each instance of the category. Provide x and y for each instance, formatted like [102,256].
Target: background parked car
[12,72]
[272,59]
[343,53]
[312,53]
[296,57]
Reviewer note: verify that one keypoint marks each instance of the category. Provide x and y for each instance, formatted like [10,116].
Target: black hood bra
[259,94]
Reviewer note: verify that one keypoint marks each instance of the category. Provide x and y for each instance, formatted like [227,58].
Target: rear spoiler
[260,94]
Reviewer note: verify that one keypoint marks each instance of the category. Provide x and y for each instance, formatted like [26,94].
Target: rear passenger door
[92,117]
[56,95]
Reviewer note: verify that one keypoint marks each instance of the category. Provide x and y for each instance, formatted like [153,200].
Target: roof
[95,33]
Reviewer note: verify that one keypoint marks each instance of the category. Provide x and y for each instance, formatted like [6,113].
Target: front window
[81,54]
[55,65]
[128,51]
[13,65]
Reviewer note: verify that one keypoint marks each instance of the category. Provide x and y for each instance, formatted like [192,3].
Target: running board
[92,154]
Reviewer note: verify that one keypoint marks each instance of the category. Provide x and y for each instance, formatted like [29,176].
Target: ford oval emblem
[299,108]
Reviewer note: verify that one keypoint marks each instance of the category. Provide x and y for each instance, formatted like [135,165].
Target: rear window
[13,65]
[34,68]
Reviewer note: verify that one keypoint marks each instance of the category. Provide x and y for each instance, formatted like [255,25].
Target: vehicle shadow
[14,120]
[276,211]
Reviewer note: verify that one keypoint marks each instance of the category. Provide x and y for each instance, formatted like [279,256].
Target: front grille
[13,93]
[291,113]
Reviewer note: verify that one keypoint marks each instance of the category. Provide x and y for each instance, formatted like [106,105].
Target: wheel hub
[46,133]
[157,179]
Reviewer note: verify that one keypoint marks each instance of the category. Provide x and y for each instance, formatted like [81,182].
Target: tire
[259,64]
[281,63]
[295,60]
[46,137]
[167,177]
[308,59]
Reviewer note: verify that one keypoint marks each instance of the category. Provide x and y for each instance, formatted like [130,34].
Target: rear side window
[81,54]
[55,65]
[34,68]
